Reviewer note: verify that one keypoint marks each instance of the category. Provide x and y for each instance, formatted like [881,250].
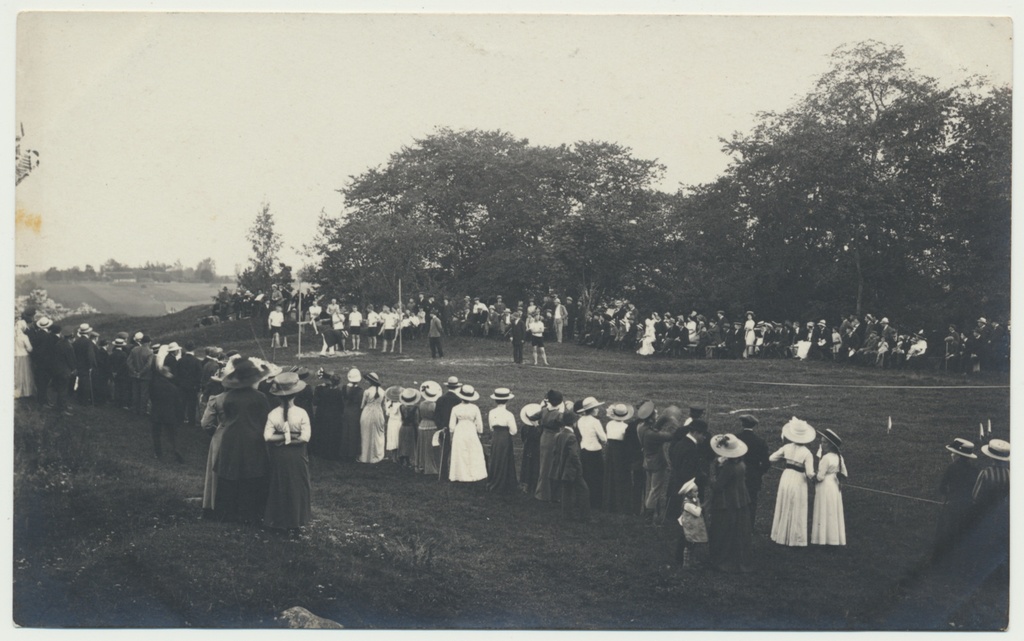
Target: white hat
[728,446]
[503,394]
[997,449]
[44,322]
[354,375]
[798,431]
[467,393]
[590,403]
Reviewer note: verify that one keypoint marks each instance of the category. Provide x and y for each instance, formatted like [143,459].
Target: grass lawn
[108,536]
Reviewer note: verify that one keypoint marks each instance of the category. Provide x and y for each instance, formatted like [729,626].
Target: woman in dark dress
[530,435]
[409,412]
[328,404]
[286,432]
[350,441]
[730,539]
[501,466]
[168,411]
[242,466]
[617,480]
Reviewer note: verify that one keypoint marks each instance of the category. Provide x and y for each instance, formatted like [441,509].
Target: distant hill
[179,326]
[130,298]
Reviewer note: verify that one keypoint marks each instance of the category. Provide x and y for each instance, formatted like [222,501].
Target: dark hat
[244,374]
[374,378]
[554,397]
[963,447]
[748,420]
[696,412]
[697,425]
[831,437]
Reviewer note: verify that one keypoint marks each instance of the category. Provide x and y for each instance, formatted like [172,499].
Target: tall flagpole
[400,314]
[298,316]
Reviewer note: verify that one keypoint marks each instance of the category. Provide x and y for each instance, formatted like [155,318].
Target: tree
[206,270]
[265,242]
[838,192]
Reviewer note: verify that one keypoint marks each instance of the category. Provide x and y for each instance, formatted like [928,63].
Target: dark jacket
[189,373]
[729,488]
[568,466]
[63,362]
[756,458]
[85,355]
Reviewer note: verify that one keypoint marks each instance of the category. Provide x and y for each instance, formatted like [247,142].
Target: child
[827,525]
[691,520]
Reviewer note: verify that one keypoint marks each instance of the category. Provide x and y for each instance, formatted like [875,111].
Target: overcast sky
[161,134]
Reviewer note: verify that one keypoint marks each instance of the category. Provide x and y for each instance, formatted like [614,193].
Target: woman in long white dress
[789,526]
[392,412]
[24,383]
[828,525]
[647,342]
[749,335]
[466,424]
[371,422]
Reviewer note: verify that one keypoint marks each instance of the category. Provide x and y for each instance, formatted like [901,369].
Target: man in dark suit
[189,376]
[689,461]
[518,332]
[62,368]
[755,460]
[118,363]
[567,474]
[442,414]
[43,343]
[85,364]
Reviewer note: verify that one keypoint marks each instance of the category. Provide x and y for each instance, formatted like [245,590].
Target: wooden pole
[299,317]
[400,315]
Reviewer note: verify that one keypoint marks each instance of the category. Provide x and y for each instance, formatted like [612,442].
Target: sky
[161,134]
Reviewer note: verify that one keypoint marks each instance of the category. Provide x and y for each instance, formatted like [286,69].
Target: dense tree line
[878,191]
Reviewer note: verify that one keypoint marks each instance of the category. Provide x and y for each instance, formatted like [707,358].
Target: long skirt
[407,441]
[730,540]
[828,526]
[617,481]
[593,474]
[241,500]
[371,428]
[426,454]
[789,526]
[288,498]
[24,383]
[210,482]
[501,468]
[530,467]
[394,426]
[350,438]
[468,463]
[547,462]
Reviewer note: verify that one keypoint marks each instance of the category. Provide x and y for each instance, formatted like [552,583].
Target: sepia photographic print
[568,318]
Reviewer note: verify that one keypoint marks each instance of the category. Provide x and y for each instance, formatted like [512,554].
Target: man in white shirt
[314,316]
[372,325]
[355,321]
[536,330]
[389,321]
[561,314]
[275,320]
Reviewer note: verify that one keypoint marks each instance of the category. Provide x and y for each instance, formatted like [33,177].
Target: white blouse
[501,416]
[297,427]
[466,413]
[616,430]
[592,434]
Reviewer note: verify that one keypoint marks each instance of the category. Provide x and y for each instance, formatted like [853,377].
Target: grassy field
[133,299]
[108,536]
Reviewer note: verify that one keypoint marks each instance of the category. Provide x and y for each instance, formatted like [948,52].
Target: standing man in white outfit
[561,314]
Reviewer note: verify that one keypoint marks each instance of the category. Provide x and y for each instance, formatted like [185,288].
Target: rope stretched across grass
[868,489]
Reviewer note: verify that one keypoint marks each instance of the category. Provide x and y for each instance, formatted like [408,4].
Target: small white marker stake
[888,430]
[990,426]
[981,431]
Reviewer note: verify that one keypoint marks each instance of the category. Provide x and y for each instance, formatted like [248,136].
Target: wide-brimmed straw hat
[619,412]
[831,437]
[431,390]
[393,393]
[728,446]
[286,384]
[997,449]
[689,487]
[374,378]
[503,394]
[245,374]
[530,413]
[962,447]
[453,382]
[354,375]
[798,431]
[409,396]
[590,403]
[119,342]
[84,328]
[43,322]
[645,410]
[467,393]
